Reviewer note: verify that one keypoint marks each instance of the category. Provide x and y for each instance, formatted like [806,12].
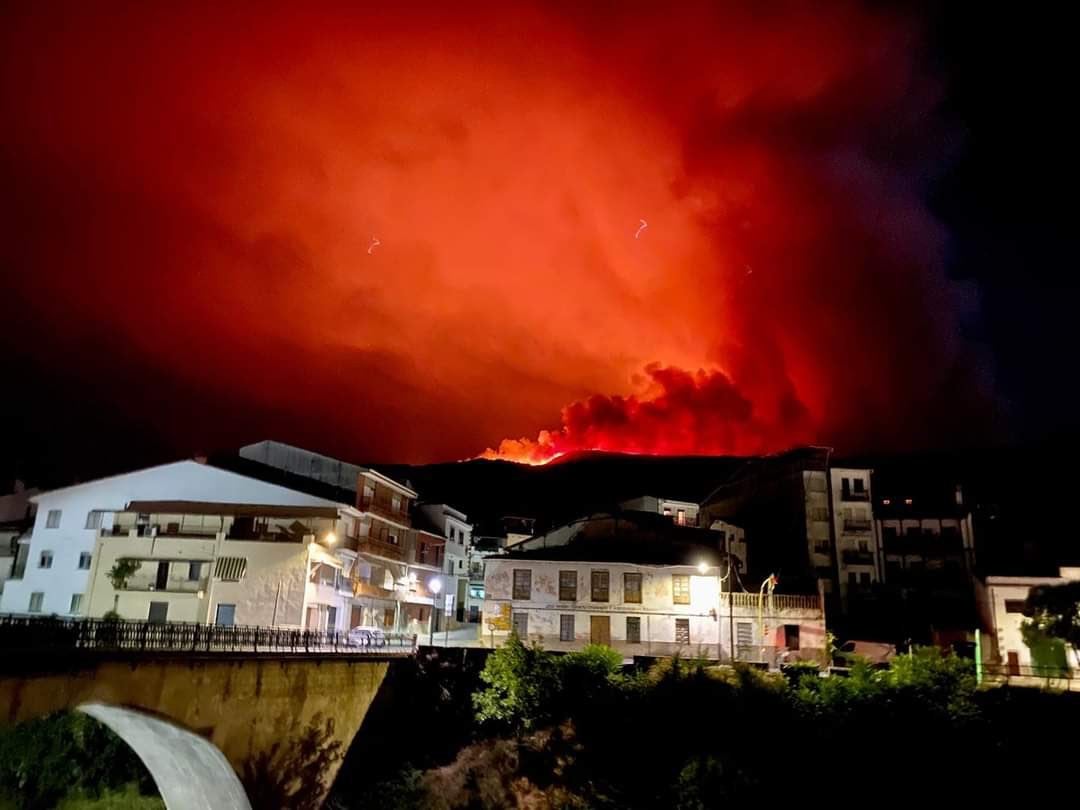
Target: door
[600,630]
[1014,663]
[331,619]
[226,615]
[357,617]
[162,581]
[159,612]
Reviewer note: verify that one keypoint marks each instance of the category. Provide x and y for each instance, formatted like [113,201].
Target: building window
[52,520]
[864,579]
[76,603]
[633,629]
[84,560]
[1014,605]
[230,569]
[93,519]
[858,485]
[568,586]
[744,634]
[566,627]
[522,583]
[888,532]
[45,560]
[37,599]
[521,624]
[680,517]
[226,615]
[194,571]
[158,613]
[601,582]
[791,633]
[682,631]
[852,579]
[632,588]
[680,589]
[395,503]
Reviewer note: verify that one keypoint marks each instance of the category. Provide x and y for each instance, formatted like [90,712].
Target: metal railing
[778,601]
[32,634]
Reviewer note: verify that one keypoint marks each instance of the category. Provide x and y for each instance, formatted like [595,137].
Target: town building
[1010,653]
[453,526]
[628,583]
[56,576]
[683,513]
[856,552]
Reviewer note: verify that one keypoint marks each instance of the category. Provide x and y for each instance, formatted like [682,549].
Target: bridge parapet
[30,634]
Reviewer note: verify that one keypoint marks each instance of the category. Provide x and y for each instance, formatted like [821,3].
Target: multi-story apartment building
[856,552]
[644,599]
[782,503]
[60,548]
[453,526]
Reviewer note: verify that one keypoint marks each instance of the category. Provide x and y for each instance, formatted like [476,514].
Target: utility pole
[731,600]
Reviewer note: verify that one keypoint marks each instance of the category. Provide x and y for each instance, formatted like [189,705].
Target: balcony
[852,495]
[821,548]
[380,548]
[856,524]
[853,557]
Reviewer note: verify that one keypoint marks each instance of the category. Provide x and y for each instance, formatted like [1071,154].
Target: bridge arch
[189,770]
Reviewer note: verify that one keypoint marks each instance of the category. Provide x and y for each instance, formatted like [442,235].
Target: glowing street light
[703,568]
[435,586]
[330,538]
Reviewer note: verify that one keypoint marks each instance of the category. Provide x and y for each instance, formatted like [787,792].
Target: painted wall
[183,480]
[707,614]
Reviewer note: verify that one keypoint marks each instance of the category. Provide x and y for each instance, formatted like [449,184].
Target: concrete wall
[183,480]
[258,711]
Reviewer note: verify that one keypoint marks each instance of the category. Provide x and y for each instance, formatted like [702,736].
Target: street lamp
[435,586]
[330,538]
[703,568]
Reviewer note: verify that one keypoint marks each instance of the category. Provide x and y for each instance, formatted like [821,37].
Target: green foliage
[1055,610]
[519,684]
[126,798]
[44,760]
[122,571]
[1048,654]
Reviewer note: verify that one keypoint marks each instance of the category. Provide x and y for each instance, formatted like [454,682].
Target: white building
[56,577]
[857,560]
[683,513]
[1001,611]
[454,527]
[647,599]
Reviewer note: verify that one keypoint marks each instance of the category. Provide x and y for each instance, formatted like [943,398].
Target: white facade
[645,610]
[682,513]
[57,573]
[1001,602]
[457,531]
[857,560]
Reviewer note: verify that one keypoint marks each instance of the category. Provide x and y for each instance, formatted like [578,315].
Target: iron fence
[38,633]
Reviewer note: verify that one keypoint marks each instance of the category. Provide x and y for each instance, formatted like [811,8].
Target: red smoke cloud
[194,193]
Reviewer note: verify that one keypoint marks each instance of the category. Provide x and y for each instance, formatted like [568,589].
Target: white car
[367,636]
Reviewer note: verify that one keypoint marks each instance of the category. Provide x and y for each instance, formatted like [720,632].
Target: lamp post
[703,569]
[435,586]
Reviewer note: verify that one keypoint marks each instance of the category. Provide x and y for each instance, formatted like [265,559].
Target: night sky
[533,228]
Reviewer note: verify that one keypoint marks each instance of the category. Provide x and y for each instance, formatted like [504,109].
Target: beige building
[1001,611]
[661,603]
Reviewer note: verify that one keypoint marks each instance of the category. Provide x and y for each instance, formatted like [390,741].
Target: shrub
[519,684]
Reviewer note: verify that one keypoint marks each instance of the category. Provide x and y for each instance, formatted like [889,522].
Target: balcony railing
[853,557]
[31,634]
[779,601]
[370,545]
[856,525]
[852,495]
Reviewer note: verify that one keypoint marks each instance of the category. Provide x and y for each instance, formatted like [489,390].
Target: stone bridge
[223,717]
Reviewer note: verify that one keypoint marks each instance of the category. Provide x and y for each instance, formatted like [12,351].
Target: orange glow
[407,235]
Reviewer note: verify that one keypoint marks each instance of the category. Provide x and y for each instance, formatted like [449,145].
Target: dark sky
[411,236]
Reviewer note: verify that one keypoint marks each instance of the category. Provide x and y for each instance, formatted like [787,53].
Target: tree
[121,572]
[1055,611]
[520,682]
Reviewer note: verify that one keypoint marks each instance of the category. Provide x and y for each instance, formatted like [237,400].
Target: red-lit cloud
[201,187]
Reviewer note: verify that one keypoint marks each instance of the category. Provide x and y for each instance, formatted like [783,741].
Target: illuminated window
[886,501]
[680,589]
[908,501]
[632,588]
[680,517]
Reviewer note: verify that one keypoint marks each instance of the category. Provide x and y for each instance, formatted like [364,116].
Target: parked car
[367,636]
